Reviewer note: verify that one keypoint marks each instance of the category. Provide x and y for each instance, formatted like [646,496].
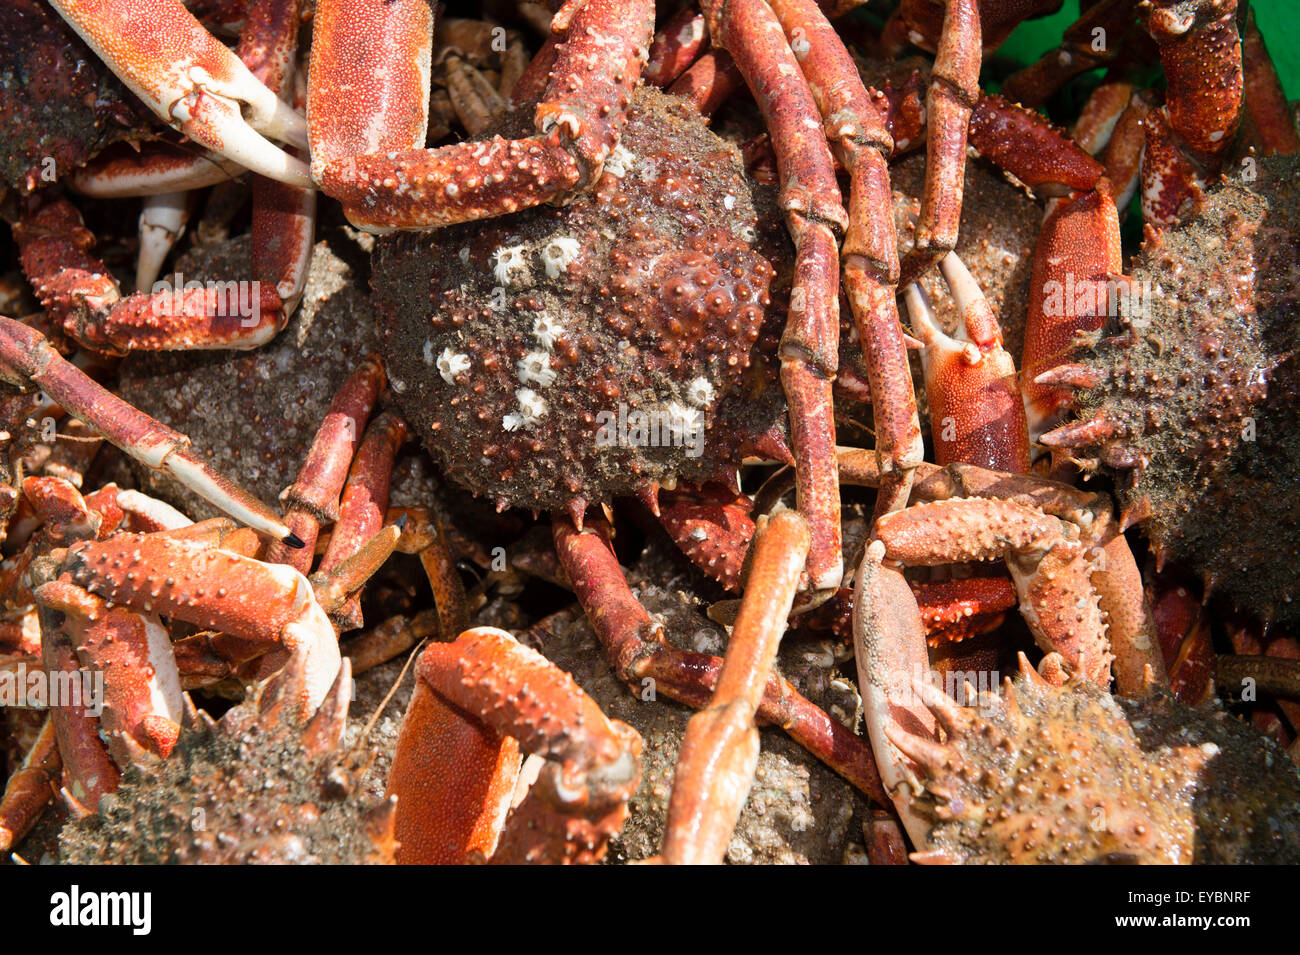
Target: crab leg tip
[293,540]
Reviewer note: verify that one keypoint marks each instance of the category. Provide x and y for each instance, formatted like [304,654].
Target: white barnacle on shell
[510,264]
[452,363]
[512,421]
[684,421]
[559,254]
[531,405]
[700,392]
[620,161]
[535,369]
[546,330]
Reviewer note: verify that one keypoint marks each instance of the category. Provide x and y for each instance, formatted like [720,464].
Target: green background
[1278,20]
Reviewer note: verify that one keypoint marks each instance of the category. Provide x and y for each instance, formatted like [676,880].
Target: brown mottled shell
[254,787]
[521,347]
[1202,388]
[59,105]
[1045,774]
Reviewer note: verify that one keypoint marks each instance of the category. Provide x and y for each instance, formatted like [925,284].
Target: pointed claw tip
[293,540]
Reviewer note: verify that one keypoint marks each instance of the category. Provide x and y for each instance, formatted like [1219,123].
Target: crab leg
[862,143]
[1273,122]
[191,81]
[636,646]
[810,196]
[1077,53]
[954,88]
[676,46]
[214,588]
[720,749]
[83,298]
[155,169]
[454,773]
[29,790]
[142,689]
[313,499]
[358,158]
[364,502]
[1200,51]
[27,358]
[162,223]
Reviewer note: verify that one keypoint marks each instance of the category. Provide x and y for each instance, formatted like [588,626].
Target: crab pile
[491,306]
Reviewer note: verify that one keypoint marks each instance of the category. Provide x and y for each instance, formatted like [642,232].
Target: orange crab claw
[192,81]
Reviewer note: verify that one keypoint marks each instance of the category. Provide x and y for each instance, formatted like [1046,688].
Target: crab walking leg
[709,82]
[1082,49]
[676,46]
[954,88]
[976,412]
[810,197]
[27,358]
[142,689]
[191,81]
[715,769]
[29,790]
[313,500]
[1200,51]
[162,223]
[399,185]
[454,771]
[642,657]
[89,773]
[364,502]
[1266,103]
[869,258]
[215,589]
[83,298]
[424,535]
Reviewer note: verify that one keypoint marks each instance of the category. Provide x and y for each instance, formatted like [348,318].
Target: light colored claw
[192,81]
[162,222]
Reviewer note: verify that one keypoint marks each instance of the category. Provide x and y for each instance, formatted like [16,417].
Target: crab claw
[192,81]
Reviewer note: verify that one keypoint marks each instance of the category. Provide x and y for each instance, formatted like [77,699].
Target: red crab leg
[954,88]
[82,296]
[639,652]
[1200,51]
[976,413]
[89,772]
[577,122]
[29,790]
[890,652]
[719,753]
[810,196]
[862,143]
[313,499]
[142,690]
[1183,630]
[709,82]
[27,358]
[364,501]
[1077,53]
[477,702]
[1273,121]
[191,81]
[712,528]
[676,46]
[215,589]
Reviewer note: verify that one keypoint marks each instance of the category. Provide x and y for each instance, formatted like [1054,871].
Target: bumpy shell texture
[255,787]
[1200,392]
[525,349]
[1070,774]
